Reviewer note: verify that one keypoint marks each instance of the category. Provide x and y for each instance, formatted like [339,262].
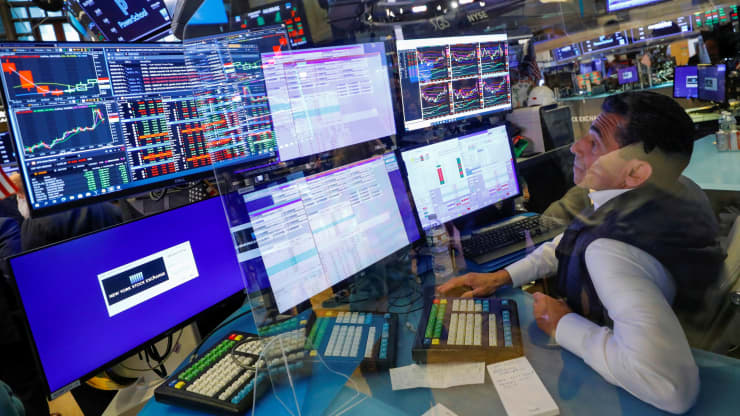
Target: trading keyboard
[229,375]
[509,237]
[456,329]
[356,335]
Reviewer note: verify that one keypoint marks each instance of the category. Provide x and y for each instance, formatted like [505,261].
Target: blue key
[387,316]
[427,341]
[368,319]
[504,302]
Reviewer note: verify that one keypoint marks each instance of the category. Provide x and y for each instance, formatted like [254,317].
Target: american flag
[529,68]
[6,185]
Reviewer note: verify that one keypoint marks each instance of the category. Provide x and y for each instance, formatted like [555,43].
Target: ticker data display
[448,79]
[89,120]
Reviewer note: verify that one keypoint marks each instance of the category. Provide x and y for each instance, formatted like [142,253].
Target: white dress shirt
[646,353]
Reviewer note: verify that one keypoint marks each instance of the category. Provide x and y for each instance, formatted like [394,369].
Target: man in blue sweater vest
[647,245]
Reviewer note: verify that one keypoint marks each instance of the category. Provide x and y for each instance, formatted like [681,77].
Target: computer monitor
[97,121]
[94,300]
[7,154]
[459,176]
[614,5]
[326,98]
[314,232]
[711,82]
[452,78]
[288,13]
[123,21]
[685,82]
[628,75]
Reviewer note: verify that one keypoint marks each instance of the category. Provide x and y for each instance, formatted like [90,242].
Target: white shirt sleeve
[538,264]
[646,353]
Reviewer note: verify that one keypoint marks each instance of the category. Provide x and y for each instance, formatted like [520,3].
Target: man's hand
[476,284]
[548,311]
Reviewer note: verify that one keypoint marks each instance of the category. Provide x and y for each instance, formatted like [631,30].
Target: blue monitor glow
[326,98]
[453,78]
[101,120]
[711,83]
[605,42]
[314,232]
[127,20]
[685,82]
[661,29]
[459,176]
[615,5]
[627,75]
[147,277]
[567,52]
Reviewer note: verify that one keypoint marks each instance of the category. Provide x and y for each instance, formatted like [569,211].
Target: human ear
[638,172]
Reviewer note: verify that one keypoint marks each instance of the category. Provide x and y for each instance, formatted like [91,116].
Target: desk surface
[713,170]
[575,387]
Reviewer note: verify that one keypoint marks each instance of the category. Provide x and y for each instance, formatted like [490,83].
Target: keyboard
[352,336]
[229,375]
[509,237]
[477,329]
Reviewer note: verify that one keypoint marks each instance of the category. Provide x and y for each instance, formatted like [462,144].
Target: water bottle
[438,242]
[725,127]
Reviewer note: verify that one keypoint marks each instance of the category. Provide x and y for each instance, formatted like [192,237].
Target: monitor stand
[485,217]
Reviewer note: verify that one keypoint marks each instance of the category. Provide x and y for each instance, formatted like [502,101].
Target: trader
[648,243]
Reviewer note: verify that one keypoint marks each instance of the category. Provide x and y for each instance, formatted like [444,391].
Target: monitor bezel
[78,381]
[181,179]
[404,171]
[675,68]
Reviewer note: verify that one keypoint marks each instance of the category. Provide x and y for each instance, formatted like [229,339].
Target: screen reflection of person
[649,243]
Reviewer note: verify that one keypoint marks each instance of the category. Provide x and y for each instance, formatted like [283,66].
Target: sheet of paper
[520,389]
[437,376]
[439,410]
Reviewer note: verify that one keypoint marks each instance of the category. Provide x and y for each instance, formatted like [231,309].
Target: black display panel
[660,29]
[93,121]
[288,13]
[567,52]
[127,20]
[614,5]
[605,42]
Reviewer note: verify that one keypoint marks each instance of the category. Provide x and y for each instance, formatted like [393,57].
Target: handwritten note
[437,376]
[520,389]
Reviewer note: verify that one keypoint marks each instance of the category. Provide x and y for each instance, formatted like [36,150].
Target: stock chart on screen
[97,120]
[448,79]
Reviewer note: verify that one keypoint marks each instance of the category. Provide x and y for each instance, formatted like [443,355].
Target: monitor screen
[711,83]
[567,52]
[7,154]
[661,29]
[100,120]
[313,232]
[127,20]
[458,176]
[145,277]
[452,78]
[685,82]
[605,42]
[627,75]
[326,98]
[286,13]
[614,5]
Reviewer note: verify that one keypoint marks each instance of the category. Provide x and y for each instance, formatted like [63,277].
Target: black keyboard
[509,237]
